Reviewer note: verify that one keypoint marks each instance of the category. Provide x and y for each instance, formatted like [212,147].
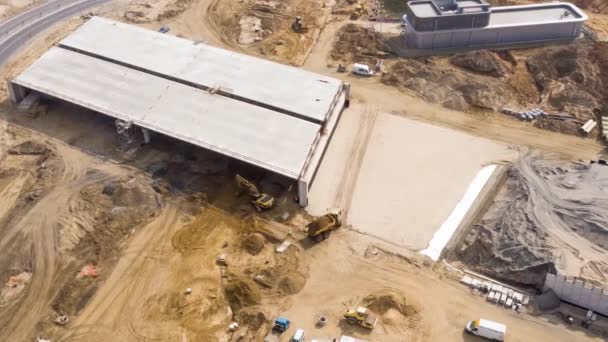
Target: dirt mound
[253,243]
[595,6]
[241,292]
[572,78]
[253,323]
[252,318]
[481,62]
[386,301]
[549,215]
[455,89]
[397,316]
[564,79]
[358,44]
[291,284]
[286,275]
[29,148]
[139,11]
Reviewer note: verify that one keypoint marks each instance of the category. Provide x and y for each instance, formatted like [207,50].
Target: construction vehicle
[320,228]
[261,201]
[358,12]
[281,325]
[362,317]
[298,25]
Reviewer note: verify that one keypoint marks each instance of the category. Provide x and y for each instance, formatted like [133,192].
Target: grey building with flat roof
[439,25]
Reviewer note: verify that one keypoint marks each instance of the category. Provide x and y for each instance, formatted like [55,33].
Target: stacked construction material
[605,128]
[525,115]
[497,293]
[588,127]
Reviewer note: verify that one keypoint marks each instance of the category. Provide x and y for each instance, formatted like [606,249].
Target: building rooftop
[260,136]
[424,9]
[279,87]
[535,14]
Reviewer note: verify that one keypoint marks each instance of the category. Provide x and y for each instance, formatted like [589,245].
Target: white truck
[487,329]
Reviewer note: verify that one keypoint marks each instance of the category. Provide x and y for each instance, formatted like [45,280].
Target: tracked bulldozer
[321,227]
[261,201]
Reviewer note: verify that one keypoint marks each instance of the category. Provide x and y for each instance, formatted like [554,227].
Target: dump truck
[362,317]
[261,201]
[281,325]
[320,228]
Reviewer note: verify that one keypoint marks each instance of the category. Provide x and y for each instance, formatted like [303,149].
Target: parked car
[164,29]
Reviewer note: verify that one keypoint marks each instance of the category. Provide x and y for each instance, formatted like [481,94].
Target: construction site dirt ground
[113,237]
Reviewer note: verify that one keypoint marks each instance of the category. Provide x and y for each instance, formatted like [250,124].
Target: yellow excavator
[320,228]
[261,201]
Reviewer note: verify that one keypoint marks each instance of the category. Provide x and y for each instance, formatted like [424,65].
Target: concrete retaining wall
[578,293]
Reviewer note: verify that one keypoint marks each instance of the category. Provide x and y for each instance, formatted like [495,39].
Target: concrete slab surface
[413,176]
[271,140]
[284,87]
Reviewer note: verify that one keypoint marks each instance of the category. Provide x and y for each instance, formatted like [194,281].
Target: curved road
[16,31]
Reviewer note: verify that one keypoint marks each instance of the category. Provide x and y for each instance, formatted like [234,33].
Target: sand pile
[285,276]
[253,243]
[398,315]
[549,215]
[386,300]
[240,292]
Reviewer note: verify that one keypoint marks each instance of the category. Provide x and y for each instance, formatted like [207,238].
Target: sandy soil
[439,306]
[149,220]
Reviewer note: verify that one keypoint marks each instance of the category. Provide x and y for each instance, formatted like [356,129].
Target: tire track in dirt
[116,306]
[34,237]
[348,181]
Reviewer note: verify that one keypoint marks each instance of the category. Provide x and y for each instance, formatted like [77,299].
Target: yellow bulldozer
[261,201]
[361,316]
[320,228]
[358,12]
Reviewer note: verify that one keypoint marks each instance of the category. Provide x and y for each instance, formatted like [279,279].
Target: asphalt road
[16,31]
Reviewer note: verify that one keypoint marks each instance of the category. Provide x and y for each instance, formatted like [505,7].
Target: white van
[362,69]
[487,329]
[298,336]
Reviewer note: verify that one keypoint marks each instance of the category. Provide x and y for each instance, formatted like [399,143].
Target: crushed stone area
[549,215]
